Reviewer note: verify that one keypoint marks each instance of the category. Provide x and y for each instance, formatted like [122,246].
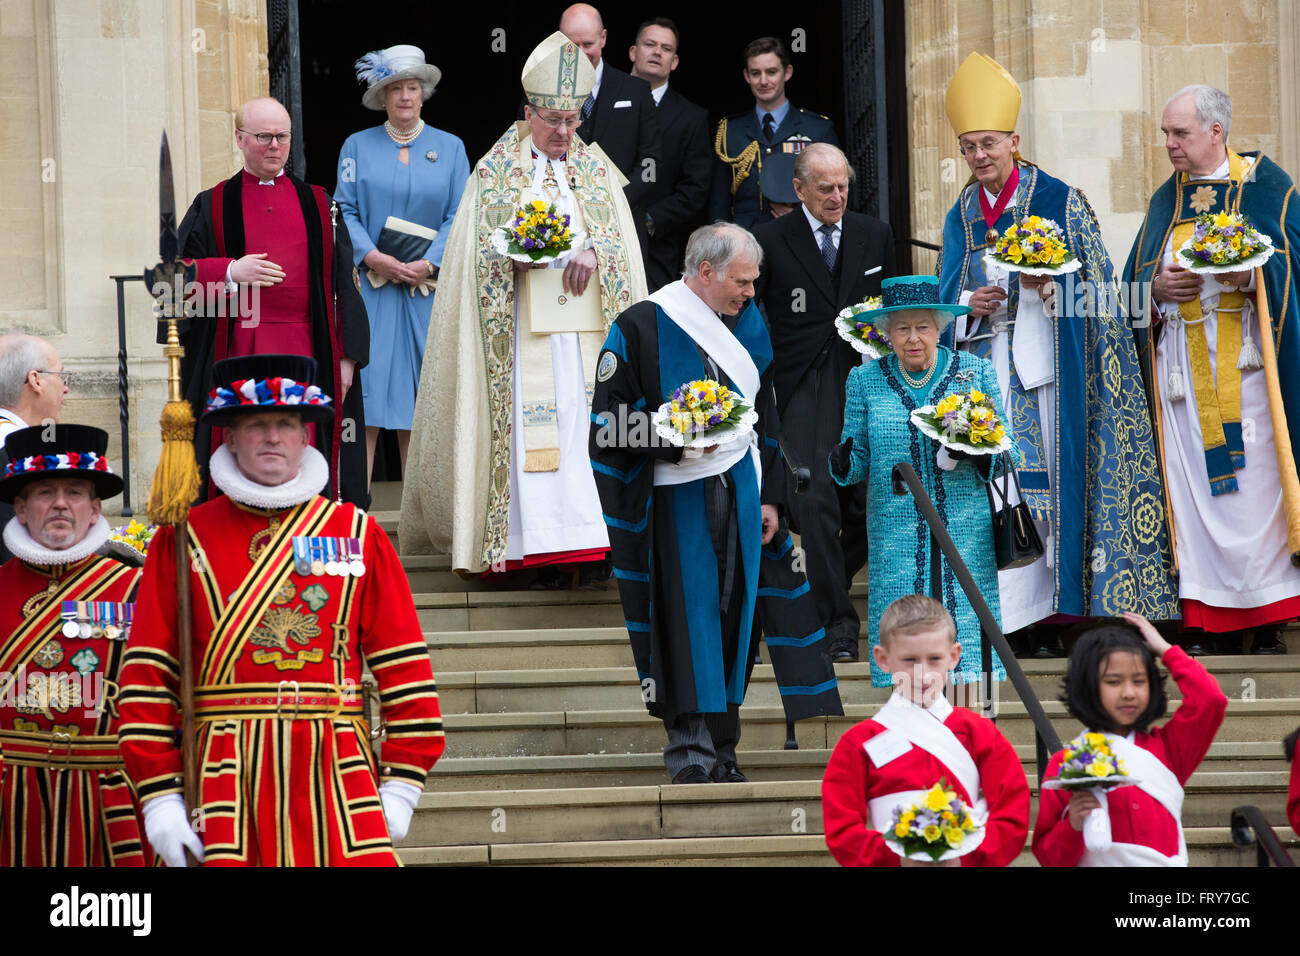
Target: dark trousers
[829,519]
[710,739]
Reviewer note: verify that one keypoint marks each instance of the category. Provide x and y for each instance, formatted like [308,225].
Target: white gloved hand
[399,799]
[169,831]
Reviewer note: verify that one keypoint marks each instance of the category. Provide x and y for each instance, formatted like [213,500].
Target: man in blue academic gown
[1224,396]
[1063,352]
[694,532]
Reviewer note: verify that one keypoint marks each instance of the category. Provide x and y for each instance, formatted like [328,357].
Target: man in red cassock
[276,276]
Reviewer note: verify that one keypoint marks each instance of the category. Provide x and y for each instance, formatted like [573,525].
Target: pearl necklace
[400,138]
[924,381]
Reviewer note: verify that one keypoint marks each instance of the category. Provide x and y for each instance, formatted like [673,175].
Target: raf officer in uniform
[743,141]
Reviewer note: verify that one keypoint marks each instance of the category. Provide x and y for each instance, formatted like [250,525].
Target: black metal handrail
[923,244]
[1045,739]
[123,409]
[1248,826]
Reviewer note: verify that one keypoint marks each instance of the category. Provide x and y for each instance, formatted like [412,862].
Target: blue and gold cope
[1267,197]
[1110,549]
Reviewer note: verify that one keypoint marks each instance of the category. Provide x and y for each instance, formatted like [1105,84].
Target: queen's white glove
[399,799]
[168,830]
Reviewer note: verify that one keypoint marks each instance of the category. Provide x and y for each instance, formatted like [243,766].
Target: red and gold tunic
[288,774]
[66,798]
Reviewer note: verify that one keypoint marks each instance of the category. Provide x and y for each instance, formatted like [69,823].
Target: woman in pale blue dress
[416,173]
[878,434]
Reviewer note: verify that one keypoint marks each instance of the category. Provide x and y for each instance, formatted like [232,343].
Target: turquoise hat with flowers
[903,293]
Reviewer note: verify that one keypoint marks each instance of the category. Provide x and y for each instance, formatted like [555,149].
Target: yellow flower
[931,833]
[936,798]
[538,205]
[907,817]
[1222,220]
[135,528]
[954,836]
[1099,768]
[967,823]
[1013,252]
[947,405]
[976,396]
[1095,739]
[949,816]
[901,830]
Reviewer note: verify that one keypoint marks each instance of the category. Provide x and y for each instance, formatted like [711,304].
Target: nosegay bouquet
[1033,245]
[1223,242]
[703,413]
[966,421]
[536,234]
[863,336]
[131,541]
[1088,761]
[939,827]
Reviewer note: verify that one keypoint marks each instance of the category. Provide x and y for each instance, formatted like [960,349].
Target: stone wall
[86,89]
[1095,75]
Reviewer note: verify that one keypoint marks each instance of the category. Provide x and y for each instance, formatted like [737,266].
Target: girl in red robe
[1113,687]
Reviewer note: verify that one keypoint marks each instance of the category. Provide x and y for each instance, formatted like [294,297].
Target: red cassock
[1136,816]
[288,773]
[852,779]
[66,799]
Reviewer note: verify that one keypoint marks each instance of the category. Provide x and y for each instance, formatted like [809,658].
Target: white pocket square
[871,271]
[622,103]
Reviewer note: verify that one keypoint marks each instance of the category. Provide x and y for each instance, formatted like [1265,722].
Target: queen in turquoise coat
[415,172]
[878,433]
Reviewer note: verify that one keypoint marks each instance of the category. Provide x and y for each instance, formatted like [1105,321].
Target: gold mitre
[982,95]
[558,75]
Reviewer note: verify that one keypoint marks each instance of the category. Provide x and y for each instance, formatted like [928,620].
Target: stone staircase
[552,759]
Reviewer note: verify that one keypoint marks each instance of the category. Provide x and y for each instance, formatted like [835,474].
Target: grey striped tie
[828,246]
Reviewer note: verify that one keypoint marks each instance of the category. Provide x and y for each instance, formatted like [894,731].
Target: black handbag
[1015,537]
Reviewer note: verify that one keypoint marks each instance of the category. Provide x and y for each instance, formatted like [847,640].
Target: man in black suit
[619,116]
[819,259]
[681,186]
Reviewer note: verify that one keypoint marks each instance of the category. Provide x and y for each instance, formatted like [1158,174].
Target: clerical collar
[26,548]
[265,182]
[1220,173]
[313,473]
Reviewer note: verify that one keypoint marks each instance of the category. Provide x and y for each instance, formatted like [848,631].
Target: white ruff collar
[22,545]
[313,474]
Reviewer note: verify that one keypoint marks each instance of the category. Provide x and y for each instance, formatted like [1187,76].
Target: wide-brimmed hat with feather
[382,67]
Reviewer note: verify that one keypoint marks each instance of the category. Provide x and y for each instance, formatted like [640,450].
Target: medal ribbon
[35,632]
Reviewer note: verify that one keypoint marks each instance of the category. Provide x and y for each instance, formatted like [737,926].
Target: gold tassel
[176,480]
[542,459]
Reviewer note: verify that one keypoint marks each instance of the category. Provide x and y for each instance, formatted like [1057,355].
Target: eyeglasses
[570,124]
[264,139]
[66,377]
[970,149]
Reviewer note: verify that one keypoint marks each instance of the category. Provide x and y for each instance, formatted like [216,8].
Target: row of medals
[95,619]
[336,557]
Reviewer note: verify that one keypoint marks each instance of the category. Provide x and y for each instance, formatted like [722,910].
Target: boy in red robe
[916,739]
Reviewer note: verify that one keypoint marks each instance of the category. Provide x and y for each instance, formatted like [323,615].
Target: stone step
[774,808]
[1207,846]
[385,496]
[647,769]
[511,610]
[634,731]
[593,687]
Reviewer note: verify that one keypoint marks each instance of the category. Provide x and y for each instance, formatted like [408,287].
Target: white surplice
[1232,548]
[555,510]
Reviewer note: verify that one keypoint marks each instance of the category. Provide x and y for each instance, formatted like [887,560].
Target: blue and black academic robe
[1268,199]
[660,538]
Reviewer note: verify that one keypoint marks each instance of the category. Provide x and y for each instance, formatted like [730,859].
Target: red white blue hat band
[270,392]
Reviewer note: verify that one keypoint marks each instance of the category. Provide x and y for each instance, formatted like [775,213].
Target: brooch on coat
[431,156]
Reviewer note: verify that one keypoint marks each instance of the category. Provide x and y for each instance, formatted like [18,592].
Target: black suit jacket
[799,298]
[681,188]
[629,134]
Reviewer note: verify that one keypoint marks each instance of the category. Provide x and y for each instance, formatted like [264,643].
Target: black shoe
[844,649]
[1194,648]
[1267,640]
[1049,648]
[594,575]
[728,771]
[692,773]
[552,578]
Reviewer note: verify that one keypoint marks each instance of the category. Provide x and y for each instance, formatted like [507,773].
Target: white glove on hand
[169,831]
[399,799]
